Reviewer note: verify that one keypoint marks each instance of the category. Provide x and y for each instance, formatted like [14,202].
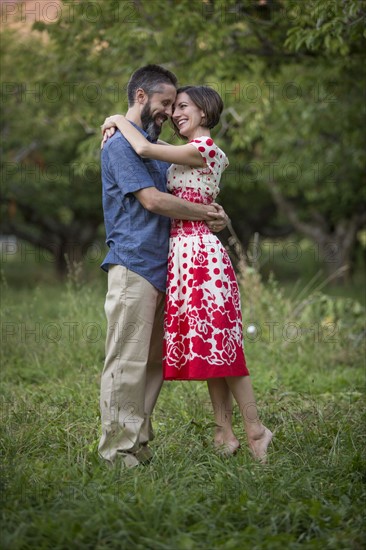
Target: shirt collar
[145,134]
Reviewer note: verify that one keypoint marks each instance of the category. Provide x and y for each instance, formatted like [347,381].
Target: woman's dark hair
[149,78]
[206,99]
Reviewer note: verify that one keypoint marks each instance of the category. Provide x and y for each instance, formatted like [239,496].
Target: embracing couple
[173,303]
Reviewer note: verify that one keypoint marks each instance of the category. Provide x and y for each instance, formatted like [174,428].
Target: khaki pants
[132,376]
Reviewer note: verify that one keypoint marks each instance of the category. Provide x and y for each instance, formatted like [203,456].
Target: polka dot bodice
[200,185]
[206,180]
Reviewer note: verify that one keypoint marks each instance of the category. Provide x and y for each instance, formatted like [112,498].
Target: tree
[45,195]
[325,145]
[284,73]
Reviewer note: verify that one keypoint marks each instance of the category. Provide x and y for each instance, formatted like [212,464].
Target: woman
[203,325]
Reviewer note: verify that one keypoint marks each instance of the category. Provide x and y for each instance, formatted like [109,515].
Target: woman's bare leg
[222,404]
[258,435]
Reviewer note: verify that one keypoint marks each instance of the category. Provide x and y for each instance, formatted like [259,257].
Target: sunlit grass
[58,494]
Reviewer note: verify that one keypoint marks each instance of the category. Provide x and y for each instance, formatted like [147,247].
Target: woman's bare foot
[226,445]
[258,445]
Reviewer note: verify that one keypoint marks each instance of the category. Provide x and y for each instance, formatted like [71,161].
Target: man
[137,212]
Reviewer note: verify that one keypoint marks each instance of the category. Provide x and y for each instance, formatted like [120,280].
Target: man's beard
[148,122]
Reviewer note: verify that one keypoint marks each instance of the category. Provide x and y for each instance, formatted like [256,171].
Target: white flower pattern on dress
[203,325]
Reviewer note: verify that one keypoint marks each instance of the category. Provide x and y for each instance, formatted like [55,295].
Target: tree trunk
[335,246]
[66,249]
[68,258]
[336,256]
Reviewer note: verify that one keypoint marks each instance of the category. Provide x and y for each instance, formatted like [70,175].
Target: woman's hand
[111,122]
[220,219]
[108,128]
[106,135]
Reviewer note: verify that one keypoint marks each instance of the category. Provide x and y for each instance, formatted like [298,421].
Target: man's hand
[219,218]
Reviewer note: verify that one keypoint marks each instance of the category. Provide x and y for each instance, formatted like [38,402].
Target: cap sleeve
[216,161]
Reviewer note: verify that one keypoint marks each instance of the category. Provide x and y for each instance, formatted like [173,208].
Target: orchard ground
[306,357]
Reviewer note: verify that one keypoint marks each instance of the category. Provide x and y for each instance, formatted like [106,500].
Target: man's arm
[167,205]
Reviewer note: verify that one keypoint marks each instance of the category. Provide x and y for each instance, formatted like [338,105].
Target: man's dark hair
[206,99]
[149,78]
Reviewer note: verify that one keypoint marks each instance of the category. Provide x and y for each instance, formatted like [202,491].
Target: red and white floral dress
[203,324]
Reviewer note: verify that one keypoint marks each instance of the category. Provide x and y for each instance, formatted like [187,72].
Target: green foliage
[291,76]
[314,150]
[332,26]
[44,193]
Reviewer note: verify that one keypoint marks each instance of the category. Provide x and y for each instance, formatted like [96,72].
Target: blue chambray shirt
[137,238]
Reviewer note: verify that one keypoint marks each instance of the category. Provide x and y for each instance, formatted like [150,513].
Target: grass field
[307,364]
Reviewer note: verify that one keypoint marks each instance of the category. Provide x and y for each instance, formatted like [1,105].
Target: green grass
[296,263]
[307,366]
